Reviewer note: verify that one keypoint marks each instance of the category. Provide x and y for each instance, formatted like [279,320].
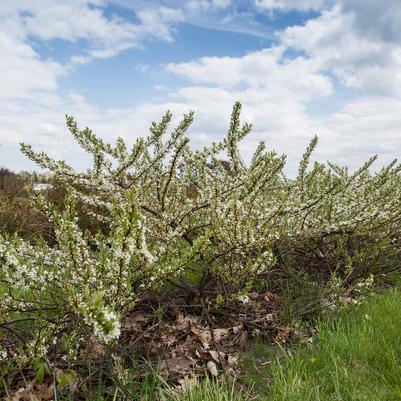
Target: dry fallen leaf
[206,336]
[178,364]
[212,368]
[220,333]
[34,392]
[93,347]
[269,317]
[136,320]
[44,392]
[269,297]
[232,360]
[237,329]
[243,339]
[184,322]
[283,335]
[187,383]
[215,355]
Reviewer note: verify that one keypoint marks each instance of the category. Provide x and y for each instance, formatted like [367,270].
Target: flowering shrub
[184,217]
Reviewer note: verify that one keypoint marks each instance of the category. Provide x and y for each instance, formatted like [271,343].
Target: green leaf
[66,378]
[40,372]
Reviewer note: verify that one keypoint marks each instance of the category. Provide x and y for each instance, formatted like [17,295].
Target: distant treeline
[15,183]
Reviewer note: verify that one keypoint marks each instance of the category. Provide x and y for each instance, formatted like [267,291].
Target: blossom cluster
[105,322]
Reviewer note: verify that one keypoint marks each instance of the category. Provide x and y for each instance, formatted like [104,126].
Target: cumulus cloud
[366,126]
[378,20]
[273,88]
[31,103]
[276,87]
[73,20]
[267,70]
[22,72]
[358,61]
[264,81]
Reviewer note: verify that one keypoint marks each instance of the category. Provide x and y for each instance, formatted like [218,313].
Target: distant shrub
[18,217]
[17,214]
[11,183]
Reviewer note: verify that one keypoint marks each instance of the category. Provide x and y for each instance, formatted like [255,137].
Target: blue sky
[300,67]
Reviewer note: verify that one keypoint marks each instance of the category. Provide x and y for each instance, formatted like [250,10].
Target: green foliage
[41,370]
[66,378]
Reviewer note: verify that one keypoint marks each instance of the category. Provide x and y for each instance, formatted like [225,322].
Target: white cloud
[73,20]
[221,3]
[217,15]
[267,70]
[22,73]
[273,88]
[360,62]
[156,22]
[365,126]
[31,104]
[286,5]
[206,5]
[272,99]
[379,20]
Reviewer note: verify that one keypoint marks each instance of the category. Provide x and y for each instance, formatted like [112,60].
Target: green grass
[156,389]
[356,356]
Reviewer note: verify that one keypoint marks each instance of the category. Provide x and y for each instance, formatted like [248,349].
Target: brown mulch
[208,341]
